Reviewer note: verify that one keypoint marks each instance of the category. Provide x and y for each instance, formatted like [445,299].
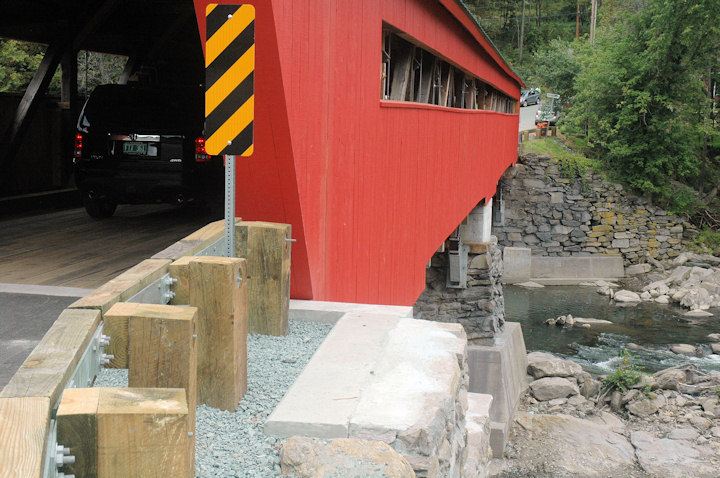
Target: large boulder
[637,269]
[591,321]
[670,378]
[541,364]
[549,388]
[565,446]
[626,296]
[646,406]
[683,349]
[697,313]
[314,458]
[672,458]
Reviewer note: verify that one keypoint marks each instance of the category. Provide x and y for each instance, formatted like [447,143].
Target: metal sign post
[230,205]
[230,94]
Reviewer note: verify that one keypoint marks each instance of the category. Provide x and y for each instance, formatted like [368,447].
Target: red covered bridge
[379,125]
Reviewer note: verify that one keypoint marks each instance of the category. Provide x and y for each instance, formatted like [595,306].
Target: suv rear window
[123,108]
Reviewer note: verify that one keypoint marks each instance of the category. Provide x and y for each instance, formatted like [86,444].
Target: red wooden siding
[371,187]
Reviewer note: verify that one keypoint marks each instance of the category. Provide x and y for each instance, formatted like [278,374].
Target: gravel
[233,444]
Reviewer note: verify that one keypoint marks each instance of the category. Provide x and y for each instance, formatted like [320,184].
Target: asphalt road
[26,313]
[527,117]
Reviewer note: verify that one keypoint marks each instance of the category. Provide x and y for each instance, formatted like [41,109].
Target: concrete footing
[522,266]
[498,367]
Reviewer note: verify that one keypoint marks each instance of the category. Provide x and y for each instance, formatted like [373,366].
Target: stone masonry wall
[555,216]
[480,308]
[417,400]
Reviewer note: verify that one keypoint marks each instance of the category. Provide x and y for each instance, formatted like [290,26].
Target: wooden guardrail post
[116,291]
[162,349]
[125,432]
[217,286]
[266,246]
[24,426]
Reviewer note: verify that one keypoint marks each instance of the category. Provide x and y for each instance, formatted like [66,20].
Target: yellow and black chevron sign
[229,79]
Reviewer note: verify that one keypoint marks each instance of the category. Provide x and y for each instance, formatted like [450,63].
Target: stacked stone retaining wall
[557,216]
[480,307]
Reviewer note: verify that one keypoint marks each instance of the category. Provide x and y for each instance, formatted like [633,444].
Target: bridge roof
[134,24]
[129,28]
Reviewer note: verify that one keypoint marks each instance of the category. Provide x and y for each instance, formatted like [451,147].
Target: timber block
[124,286]
[48,368]
[196,242]
[478,247]
[218,288]
[163,353]
[116,322]
[266,247]
[151,425]
[24,427]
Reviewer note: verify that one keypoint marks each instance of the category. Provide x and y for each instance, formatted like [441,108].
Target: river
[650,325]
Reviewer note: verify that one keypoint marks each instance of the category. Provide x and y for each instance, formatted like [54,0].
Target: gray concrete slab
[26,314]
[322,400]
[331,312]
[499,368]
[599,267]
[521,266]
[517,264]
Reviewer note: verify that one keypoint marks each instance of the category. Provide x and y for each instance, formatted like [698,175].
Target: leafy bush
[707,239]
[625,375]
[679,199]
[572,165]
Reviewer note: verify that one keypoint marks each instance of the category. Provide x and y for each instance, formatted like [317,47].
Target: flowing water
[650,325]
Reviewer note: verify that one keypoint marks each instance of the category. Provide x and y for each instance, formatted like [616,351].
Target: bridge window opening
[411,73]
[19,60]
[385,75]
[96,69]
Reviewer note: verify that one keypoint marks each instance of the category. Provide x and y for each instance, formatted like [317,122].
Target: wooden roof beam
[40,81]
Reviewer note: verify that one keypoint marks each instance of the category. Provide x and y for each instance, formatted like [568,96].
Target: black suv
[138,144]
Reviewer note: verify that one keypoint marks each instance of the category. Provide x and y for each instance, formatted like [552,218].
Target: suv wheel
[99,207]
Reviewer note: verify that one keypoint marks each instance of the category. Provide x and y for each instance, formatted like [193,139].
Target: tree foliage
[556,66]
[545,20]
[98,69]
[19,61]
[640,95]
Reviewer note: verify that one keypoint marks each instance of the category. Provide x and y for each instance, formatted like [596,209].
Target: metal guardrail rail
[94,358]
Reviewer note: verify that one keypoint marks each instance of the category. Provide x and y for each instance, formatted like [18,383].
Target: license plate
[138,149]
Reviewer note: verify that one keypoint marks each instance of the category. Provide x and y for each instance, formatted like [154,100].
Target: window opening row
[411,73]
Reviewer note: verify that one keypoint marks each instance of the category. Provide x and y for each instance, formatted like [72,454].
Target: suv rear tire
[99,207]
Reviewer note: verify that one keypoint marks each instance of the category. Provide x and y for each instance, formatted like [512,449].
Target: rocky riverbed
[690,280]
[571,424]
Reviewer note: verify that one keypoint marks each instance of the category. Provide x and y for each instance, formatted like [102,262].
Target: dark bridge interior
[159,38]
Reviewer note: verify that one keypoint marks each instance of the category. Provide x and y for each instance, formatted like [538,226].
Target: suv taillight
[77,153]
[201,155]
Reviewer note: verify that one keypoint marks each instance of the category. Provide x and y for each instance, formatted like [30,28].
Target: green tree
[556,67]
[98,69]
[18,63]
[640,94]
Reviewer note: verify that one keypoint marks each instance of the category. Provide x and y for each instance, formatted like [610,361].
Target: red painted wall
[371,187]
